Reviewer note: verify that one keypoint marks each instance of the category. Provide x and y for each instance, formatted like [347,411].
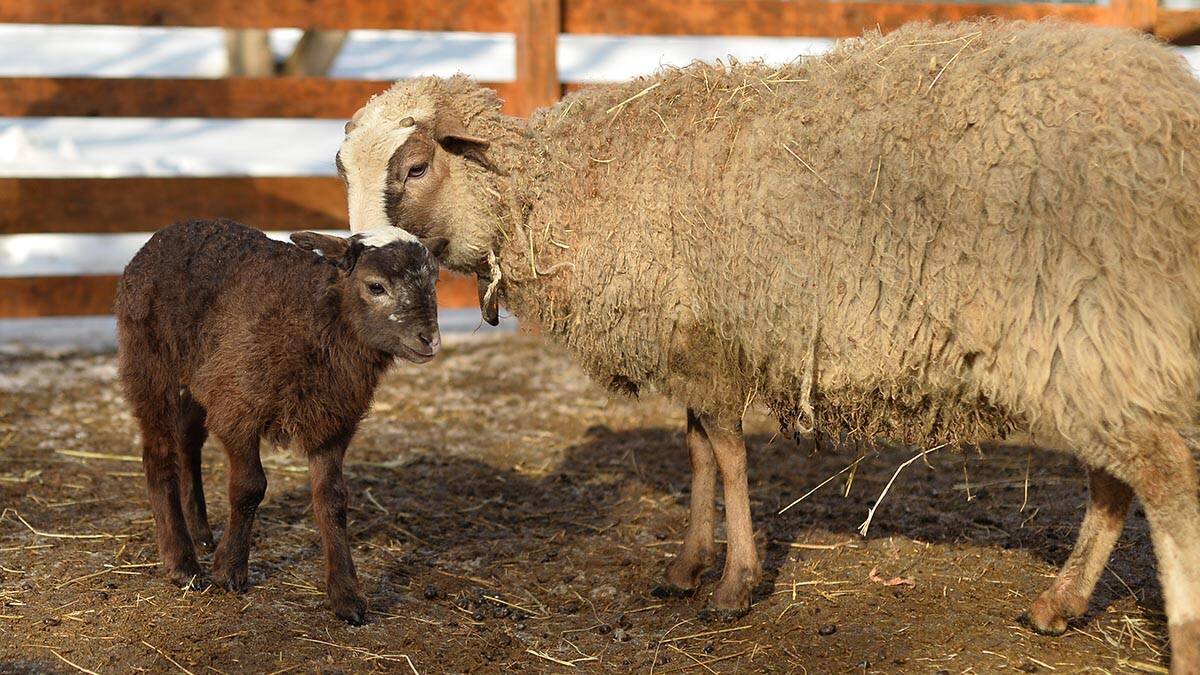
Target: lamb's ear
[344,252]
[450,133]
[436,245]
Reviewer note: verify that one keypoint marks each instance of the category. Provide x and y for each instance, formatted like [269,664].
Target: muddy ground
[510,516]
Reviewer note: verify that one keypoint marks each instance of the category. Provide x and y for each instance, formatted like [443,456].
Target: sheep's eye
[418,170]
[376,289]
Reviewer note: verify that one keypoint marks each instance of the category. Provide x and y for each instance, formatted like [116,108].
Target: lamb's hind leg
[1163,476]
[1068,597]
[683,574]
[742,567]
[247,486]
[159,461]
[191,480]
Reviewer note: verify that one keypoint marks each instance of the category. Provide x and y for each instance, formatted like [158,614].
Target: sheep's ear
[354,120]
[342,251]
[436,245]
[453,136]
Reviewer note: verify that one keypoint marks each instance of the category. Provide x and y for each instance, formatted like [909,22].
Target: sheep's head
[387,280]
[409,161]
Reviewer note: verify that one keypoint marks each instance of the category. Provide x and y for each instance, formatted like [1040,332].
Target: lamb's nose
[431,341]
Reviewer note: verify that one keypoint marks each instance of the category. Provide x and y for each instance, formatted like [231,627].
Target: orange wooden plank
[538,25]
[433,15]
[791,17]
[28,297]
[1179,26]
[32,297]
[148,204]
[305,97]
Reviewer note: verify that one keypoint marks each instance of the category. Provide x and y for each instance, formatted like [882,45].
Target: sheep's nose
[432,342]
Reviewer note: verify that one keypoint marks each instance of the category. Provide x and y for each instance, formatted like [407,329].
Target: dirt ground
[508,515]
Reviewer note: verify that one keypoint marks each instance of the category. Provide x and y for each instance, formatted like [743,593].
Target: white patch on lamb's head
[382,236]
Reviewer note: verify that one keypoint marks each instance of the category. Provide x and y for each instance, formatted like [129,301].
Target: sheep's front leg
[683,574]
[329,507]
[742,568]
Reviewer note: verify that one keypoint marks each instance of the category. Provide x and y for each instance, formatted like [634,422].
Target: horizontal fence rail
[78,205]
[33,297]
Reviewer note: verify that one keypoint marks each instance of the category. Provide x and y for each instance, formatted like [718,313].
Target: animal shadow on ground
[460,513]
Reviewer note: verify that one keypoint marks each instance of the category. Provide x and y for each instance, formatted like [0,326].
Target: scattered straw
[368,654]
[167,657]
[1141,666]
[809,167]
[636,96]
[866,524]
[952,59]
[99,455]
[62,535]
[71,663]
[823,483]
[569,664]
[705,634]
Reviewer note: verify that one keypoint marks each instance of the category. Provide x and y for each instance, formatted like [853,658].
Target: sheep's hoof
[1052,626]
[731,599]
[719,615]
[1050,612]
[669,590]
[1185,648]
[351,609]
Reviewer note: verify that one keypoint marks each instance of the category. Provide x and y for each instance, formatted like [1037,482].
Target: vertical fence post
[1139,14]
[538,24]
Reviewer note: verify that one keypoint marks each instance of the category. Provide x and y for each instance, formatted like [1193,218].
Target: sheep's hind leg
[159,453]
[1164,479]
[329,507]
[1068,597]
[191,480]
[247,486]
[742,568]
[696,556]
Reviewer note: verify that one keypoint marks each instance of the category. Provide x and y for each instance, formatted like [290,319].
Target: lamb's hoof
[669,590]
[351,609]
[235,580]
[186,574]
[204,541]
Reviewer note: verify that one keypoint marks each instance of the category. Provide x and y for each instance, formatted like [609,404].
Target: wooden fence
[106,205]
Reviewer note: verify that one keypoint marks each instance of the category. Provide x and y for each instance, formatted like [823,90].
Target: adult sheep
[945,233]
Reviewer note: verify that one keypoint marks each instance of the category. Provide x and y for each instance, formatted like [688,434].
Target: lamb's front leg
[683,574]
[329,507]
[742,567]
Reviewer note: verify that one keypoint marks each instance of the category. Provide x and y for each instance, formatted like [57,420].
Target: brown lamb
[223,330]
[946,233]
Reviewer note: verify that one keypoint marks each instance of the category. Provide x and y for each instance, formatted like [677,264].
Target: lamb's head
[387,283]
[410,161]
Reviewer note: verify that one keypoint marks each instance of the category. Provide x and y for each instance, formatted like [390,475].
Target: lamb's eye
[376,289]
[418,170]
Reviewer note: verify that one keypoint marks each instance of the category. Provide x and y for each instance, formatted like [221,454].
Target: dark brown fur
[223,330]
